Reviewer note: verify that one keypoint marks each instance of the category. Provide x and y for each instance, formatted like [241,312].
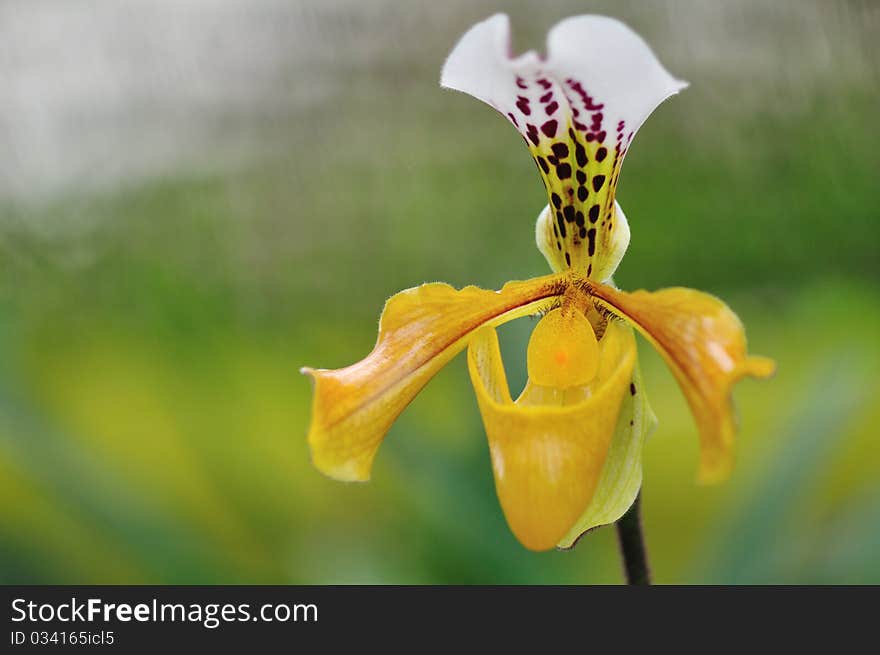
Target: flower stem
[632,546]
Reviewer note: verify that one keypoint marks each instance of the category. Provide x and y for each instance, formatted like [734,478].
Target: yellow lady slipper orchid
[566,453]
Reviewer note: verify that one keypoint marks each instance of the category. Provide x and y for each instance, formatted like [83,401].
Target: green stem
[632,546]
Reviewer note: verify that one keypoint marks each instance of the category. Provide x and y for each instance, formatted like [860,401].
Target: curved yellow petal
[622,474]
[548,458]
[704,344]
[420,330]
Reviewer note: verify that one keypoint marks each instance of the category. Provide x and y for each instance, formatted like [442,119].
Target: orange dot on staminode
[563,351]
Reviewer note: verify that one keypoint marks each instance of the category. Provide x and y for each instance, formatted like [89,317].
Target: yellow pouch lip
[547,459]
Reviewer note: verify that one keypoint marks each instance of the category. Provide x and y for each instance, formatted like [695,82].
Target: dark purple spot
[546,97]
[532,133]
[601,153]
[591,241]
[632,389]
[553,159]
[512,119]
[597,118]
[572,135]
[549,128]
[560,150]
[579,219]
[583,232]
[556,200]
[568,259]
[581,177]
[590,269]
[552,107]
[523,105]
[580,126]
[598,181]
[601,136]
[558,245]
[581,155]
[563,171]
[520,83]
[568,210]
[589,103]
[544,83]
[543,164]
[560,221]
[583,193]
[594,213]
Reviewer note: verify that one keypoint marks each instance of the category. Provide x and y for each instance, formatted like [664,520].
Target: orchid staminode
[567,452]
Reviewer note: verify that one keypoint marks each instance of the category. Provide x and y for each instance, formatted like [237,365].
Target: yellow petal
[420,330]
[622,474]
[704,344]
[548,458]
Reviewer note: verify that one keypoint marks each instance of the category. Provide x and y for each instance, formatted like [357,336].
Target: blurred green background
[198,198]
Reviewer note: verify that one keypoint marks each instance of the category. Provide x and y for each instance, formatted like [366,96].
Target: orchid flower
[567,452]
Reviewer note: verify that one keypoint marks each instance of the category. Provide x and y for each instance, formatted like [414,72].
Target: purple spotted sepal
[577,110]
